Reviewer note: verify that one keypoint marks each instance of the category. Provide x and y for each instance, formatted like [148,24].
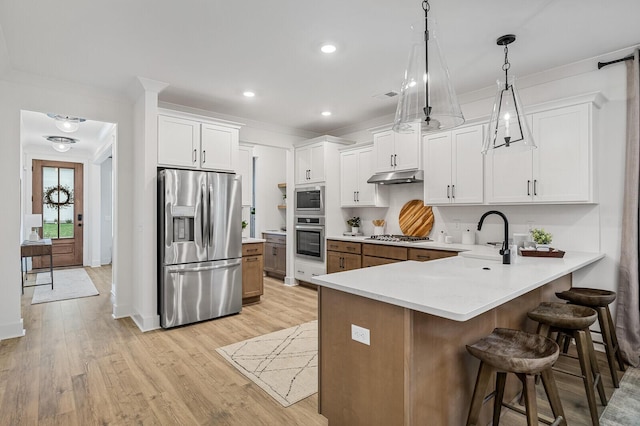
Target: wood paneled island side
[419,316]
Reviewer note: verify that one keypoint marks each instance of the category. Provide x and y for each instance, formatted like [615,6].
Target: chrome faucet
[505,252]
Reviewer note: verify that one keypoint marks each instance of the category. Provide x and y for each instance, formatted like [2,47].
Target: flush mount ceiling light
[508,129]
[426,96]
[249,94]
[328,48]
[66,123]
[61,143]
[326,113]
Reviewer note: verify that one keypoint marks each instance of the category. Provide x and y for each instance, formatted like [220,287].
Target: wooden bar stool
[600,300]
[527,356]
[574,321]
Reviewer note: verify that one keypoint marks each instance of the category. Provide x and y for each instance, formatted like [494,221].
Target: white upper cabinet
[178,142]
[454,167]
[245,170]
[191,142]
[356,166]
[309,163]
[560,170]
[396,151]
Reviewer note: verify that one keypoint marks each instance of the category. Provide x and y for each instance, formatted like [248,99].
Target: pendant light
[427,97]
[66,123]
[508,129]
[61,143]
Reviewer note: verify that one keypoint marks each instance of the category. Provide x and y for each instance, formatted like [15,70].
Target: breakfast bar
[392,338]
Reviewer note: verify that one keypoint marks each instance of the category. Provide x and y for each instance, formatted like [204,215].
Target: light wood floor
[78,366]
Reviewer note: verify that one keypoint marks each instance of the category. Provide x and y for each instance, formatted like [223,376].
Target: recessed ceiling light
[326,113]
[328,48]
[249,94]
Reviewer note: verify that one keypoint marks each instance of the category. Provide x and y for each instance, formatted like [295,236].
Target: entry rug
[67,284]
[623,408]
[284,364]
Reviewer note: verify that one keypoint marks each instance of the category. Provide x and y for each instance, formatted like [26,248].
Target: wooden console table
[31,249]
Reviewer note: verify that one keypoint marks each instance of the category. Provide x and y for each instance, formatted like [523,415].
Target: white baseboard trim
[10,331]
[146,323]
[120,311]
[95,263]
[290,281]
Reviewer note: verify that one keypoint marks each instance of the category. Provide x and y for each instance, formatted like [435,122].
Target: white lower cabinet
[454,170]
[356,167]
[560,170]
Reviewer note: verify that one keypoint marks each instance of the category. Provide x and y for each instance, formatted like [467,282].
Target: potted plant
[541,237]
[244,224]
[354,223]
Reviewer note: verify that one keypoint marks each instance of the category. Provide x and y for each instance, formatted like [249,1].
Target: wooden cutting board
[416,219]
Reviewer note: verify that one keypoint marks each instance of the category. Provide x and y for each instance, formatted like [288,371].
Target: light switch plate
[360,334]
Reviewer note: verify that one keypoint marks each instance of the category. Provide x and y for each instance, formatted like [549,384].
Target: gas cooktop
[398,238]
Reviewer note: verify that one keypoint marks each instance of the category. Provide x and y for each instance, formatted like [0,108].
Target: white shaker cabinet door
[367,194]
[178,142]
[561,163]
[219,148]
[303,164]
[467,174]
[509,177]
[348,178]
[384,151]
[317,163]
[407,150]
[437,170]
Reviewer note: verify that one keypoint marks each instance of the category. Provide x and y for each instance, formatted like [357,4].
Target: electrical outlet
[360,334]
[456,223]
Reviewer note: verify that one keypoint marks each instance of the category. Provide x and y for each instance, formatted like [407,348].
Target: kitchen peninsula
[392,338]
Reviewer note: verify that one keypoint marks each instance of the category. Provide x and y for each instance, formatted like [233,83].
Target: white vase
[378,230]
[355,229]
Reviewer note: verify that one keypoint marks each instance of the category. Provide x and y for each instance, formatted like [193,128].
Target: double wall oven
[309,223]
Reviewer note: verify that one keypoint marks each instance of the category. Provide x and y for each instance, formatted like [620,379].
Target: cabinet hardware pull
[354,196]
[358,196]
[448,189]
[252,259]
[529,187]
[194,155]
[395,160]
[535,187]
[391,160]
[204,157]
[453,191]
[420,256]
[351,248]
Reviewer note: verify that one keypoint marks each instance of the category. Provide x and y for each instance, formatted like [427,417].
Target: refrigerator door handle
[210,215]
[204,268]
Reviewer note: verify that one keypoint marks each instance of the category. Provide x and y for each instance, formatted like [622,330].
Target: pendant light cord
[427,108]
[506,66]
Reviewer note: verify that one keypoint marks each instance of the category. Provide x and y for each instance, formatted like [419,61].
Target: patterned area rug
[623,408]
[67,284]
[284,364]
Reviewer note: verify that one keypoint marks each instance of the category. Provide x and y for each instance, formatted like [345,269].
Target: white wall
[45,96]
[106,205]
[594,227]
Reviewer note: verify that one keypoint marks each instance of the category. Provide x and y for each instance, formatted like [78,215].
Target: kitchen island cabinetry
[454,171]
[356,166]
[343,256]
[396,151]
[252,266]
[379,254]
[560,170]
[417,318]
[275,254]
[189,142]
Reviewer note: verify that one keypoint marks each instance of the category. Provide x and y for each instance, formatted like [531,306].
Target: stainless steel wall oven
[310,237]
[309,201]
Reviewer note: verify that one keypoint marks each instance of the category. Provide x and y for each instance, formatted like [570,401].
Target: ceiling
[210,51]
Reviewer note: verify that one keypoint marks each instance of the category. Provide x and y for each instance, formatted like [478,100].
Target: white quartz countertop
[275,232]
[253,240]
[457,288]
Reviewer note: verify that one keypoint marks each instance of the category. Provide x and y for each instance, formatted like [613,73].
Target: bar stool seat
[600,300]
[524,354]
[574,321]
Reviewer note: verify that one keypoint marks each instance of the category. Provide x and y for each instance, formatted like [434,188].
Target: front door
[57,195]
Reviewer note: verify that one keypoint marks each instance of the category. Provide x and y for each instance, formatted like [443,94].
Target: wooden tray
[416,219]
[535,253]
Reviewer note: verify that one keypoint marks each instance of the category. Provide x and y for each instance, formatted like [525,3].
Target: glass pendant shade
[508,129]
[66,123]
[61,143]
[61,147]
[445,109]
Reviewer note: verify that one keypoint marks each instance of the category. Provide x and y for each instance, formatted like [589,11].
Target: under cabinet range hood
[389,178]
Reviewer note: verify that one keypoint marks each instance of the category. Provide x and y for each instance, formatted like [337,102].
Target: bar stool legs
[610,341]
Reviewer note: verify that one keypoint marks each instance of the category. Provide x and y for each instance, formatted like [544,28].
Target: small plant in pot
[244,224]
[354,223]
[541,237]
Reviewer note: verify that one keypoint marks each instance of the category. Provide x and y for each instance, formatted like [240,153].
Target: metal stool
[527,356]
[600,300]
[574,321]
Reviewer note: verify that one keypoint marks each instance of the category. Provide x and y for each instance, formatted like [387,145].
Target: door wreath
[65,196]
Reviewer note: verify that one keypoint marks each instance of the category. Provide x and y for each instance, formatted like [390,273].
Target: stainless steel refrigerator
[199,246]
